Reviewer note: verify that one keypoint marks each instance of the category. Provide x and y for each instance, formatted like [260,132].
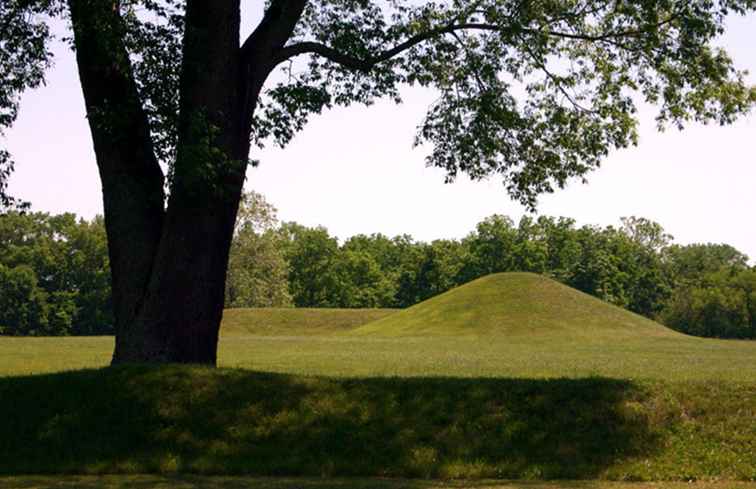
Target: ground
[509,377]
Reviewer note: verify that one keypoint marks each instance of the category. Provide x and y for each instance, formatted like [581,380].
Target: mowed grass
[297,322]
[337,356]
[505,325]
[240,330]
[517,305]
[511,376]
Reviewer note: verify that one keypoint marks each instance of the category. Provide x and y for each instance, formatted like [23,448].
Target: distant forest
[54,275]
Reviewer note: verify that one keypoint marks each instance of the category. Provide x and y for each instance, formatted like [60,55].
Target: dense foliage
[512,107]
[257,270]
[536,93]
[54,269]
[700,289]
[715,293]
[54,275]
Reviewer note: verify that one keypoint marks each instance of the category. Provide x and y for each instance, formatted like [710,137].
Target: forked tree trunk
[169,263]
[182,305]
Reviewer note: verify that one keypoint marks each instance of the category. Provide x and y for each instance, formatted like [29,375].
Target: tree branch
[541,63]
[276,27]
[271,34]
[365,65]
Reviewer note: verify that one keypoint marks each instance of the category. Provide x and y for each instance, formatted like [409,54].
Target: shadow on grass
[197,420]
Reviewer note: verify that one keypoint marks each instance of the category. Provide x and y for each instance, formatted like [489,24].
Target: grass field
[297,322]
[507,325]
[511,376]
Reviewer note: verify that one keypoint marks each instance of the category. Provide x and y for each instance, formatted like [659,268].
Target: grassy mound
[296,322]
[231,421]
[516,305]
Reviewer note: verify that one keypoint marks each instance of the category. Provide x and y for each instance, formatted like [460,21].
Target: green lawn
[297,322]
[506,325]
[509,377]
[412,357]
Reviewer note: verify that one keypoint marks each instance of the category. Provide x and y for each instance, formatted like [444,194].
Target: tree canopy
[534,92]
[257,270]
[54,275]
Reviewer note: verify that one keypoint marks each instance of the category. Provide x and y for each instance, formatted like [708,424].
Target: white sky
[354,170]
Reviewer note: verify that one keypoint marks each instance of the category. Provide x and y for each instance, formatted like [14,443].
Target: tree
[531,252]
[562,244]
[361,282]
[492,246]
[89,277]
[398,259]
[68,262]
[438,268]
[646,233]
[23,305]
[714,291]
[312,255]
[257,269]
[621,267]
[690,264]
[648,284]
[721,305]
[172,82]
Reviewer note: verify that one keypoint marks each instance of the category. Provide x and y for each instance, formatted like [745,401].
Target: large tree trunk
[132,181]
[183,303]
[169,266]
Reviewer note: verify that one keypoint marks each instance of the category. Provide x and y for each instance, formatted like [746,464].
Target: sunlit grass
[297,321]
[517,305]
[660,359]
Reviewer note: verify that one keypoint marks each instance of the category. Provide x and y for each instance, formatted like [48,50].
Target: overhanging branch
[367,64]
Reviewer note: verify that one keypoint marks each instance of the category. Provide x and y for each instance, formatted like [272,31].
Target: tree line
[54,275]
[700,289]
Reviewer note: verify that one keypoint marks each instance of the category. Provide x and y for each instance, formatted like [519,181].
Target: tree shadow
[205,421]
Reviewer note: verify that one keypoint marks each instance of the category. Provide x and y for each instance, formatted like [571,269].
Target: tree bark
[183,303]
[169,266]
[132,181]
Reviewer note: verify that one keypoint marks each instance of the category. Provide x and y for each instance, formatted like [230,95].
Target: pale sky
[354,170]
